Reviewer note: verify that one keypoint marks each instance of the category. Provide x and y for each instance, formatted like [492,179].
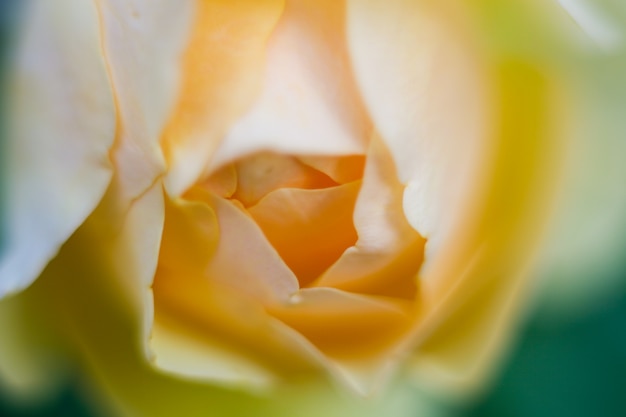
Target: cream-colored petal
[426,94]
[143,42]
[389,252]
[222,67]
[309,103]
[61,125]
[468,320]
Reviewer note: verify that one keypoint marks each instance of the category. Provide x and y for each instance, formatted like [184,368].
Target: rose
[149,120]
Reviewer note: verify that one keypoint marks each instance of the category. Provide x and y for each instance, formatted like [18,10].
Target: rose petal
[263,274]
[262,173]
[222,69]
[220,317]
[142,41]
[309,103]
[185,352]
[61,126]
[223,182]
[342,169]
[426,94]
[69,305]
[355,332]
[389,252]
[468,320]
[310,229]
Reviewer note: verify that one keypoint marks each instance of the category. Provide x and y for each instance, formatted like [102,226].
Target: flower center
[304,206]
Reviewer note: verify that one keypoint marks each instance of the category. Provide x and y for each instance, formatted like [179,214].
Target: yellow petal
[126,384]
[470,317]
[309,103]
[186,352]
[61,124]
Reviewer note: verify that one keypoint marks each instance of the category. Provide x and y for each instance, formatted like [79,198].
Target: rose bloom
[222,196]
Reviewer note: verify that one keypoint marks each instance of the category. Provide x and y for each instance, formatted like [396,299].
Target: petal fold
[222,69]
[388,253]
[426,93]
[309,104]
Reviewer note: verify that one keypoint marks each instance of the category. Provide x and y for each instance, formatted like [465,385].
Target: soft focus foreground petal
[388,253]
[129,241]
[310,229]
[91,318]
[143,41]
[207,303]
[309,103]
[61,124]
[446,156]
[31,367]
[469,319]
[222,74]
[426,93]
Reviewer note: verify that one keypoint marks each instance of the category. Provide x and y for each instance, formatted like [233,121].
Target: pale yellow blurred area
[73,312]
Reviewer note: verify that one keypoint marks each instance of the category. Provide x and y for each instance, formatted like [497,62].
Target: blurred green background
[571,365]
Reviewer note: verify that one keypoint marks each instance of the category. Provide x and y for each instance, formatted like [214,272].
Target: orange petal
[264,172]
[309,228]
[389,252]
[222,74]
[342,324]
[341,169]
[223,182]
